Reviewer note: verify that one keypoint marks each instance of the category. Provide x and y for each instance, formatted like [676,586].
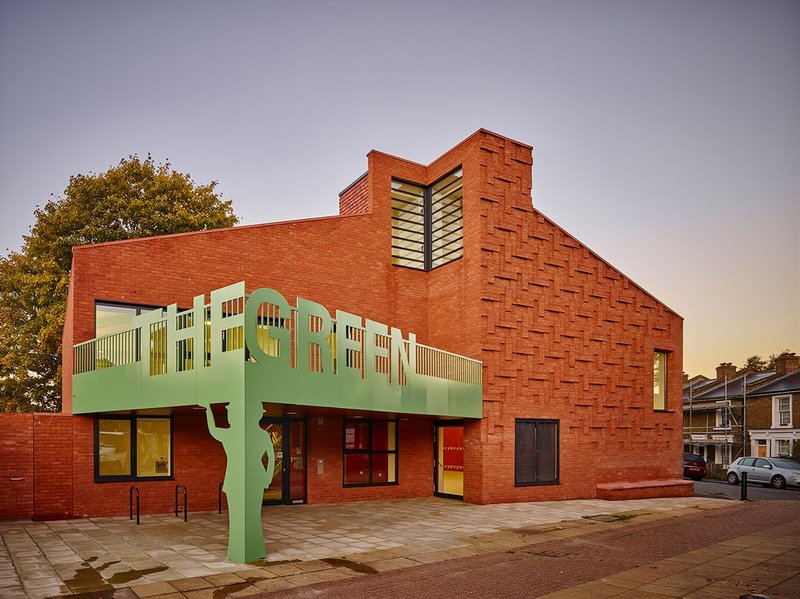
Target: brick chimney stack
[786,363]
[725,369]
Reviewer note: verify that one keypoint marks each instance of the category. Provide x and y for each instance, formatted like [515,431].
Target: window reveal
[131,447]
[659,380]
[536,452]
[370,452]
[427,222]
[784,409]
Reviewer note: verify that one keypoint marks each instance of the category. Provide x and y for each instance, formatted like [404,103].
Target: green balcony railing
[125,347]
[285,356]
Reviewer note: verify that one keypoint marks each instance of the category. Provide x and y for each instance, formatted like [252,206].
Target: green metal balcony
[262,348]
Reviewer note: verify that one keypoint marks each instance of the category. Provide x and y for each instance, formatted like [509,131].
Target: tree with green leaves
[773,357]
[136,198]
[755,362]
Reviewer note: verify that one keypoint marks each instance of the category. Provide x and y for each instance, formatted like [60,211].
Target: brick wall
[16,465]
[566,336]
[759,413]
[53,454]
[198,464]
[562,334]
[53,467]
[415,470]
[355,199]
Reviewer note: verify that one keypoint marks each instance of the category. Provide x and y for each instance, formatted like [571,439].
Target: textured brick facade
[561,333]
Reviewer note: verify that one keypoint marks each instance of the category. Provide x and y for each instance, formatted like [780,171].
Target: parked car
[694,466]
[776,472]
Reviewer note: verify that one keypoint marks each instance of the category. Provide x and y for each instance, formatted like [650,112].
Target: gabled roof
[734,387]
[789,383]
[695,385]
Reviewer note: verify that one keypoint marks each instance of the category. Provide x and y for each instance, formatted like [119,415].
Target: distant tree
[136,198]
[755,363]
[773,357]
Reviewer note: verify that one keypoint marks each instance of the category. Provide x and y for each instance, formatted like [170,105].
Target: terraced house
[743,413]
[438,336]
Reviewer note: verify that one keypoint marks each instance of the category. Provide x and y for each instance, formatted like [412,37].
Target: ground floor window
[536,452]
[370,452]
[132,447]
[783,448]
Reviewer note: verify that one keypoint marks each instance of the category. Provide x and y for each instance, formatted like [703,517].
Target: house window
[724,417]
[536,452]
[783,448]
[132,448]
[408,225]
[782,411]
[370,452]
[427,222]
[446,223]
[659,380]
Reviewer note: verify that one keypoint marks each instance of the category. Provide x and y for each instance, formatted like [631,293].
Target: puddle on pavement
[602,518]
[89,577]
[120,577]
[263,563]
[230,589]
[337,562]
[535,531]
[544,553]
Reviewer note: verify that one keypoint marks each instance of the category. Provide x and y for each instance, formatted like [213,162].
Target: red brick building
[581,367]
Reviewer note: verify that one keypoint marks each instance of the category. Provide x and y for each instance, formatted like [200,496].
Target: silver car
[776,472]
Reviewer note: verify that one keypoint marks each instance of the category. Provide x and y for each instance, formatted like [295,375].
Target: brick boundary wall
[16,465]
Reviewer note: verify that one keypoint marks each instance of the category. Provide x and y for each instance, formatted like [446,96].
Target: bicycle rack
[130,504]
[185,502]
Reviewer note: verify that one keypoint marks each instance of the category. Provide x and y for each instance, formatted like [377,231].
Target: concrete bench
[646,489]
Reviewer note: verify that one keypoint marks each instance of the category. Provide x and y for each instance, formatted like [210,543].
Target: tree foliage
[755,362]
[136,198]
[774,357]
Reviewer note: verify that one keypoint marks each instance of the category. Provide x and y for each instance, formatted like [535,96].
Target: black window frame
[557,466]
[667,360]
[426,260]
[132,476]
[369,451]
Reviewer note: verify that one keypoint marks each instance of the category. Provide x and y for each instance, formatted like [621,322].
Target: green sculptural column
[245,443]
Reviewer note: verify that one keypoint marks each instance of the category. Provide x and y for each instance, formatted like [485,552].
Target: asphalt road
[555,565]
[720,489]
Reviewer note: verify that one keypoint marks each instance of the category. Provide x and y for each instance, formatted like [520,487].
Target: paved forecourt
[305,544]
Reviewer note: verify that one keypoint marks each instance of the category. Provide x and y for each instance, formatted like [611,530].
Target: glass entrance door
[288,483]
[449,460]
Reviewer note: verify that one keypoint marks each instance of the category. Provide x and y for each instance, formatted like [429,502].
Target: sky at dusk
[666,134]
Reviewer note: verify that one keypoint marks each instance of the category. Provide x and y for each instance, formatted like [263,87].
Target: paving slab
[113,554]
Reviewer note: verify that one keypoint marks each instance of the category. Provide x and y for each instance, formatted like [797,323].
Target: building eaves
[788,383]
[734,388]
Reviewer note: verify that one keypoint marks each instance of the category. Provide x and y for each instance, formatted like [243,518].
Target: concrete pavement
[165,558]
